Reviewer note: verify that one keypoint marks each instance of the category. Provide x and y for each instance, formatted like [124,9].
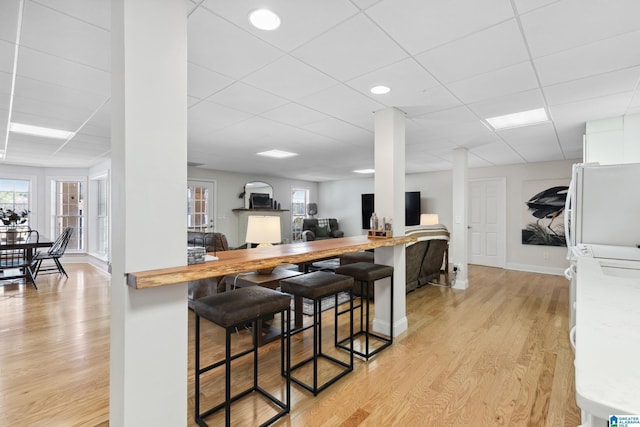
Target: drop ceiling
[305,87]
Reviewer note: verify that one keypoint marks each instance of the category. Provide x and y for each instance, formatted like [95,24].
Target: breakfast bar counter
[240,260]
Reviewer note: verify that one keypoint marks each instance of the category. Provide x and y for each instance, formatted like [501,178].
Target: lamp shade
[263,229]
[429,219]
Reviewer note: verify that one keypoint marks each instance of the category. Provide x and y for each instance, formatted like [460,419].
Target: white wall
[341,199]
[40,216]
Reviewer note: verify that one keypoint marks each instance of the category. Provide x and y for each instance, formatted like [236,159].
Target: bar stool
[367,274]
[230,310]
[316,286]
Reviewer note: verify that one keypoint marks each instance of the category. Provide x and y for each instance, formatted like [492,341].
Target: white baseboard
[558,271]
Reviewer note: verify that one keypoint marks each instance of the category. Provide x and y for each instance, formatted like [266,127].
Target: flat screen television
[260,201]
[412,209]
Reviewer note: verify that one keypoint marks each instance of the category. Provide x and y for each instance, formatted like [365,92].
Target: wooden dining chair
[55,252]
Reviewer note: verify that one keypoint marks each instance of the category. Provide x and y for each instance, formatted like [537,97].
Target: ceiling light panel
[40,131]
[277,154]
[523,118]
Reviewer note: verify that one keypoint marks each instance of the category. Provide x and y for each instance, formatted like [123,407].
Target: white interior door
[201,205]
[487,222]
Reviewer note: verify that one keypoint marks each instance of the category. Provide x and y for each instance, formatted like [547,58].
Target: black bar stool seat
[367,274]
[230,310]
[316,286]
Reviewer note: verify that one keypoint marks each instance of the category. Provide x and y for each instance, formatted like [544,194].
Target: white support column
[389,203]
[148,353]
[459,235]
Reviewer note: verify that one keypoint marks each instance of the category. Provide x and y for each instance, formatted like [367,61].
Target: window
[14,194]
[299,200]
[99,214]
[69,211]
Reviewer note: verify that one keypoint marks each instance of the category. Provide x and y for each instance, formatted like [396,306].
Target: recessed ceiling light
[365,171]
[39,131]
[523,118]
[264,19]
[277,154]
[380,90]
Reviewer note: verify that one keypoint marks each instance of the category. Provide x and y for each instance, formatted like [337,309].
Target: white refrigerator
[602,229]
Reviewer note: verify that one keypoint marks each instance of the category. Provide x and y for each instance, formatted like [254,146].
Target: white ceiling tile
[20,144]
[529,135]
[206,117]
[6,57]
[524,6]
[498,153]
[202,82]
[365,4]
[596,58]
[96,12]
[509,80]
[353,48]
[572,23]
[419,25]
[476,162]
[58,71]
[5,88]
[488,50]
[437,98]
[209,45]
[535,143]
[540,152]
[458,125]
[594,86]
[9,20]
[294,115]
[301,21]
[93,48]
[246,98]
[54,94]
[508,104]
[341,131]
[408,82]
[4,117]
[290,78]
[54,112]
[344,103]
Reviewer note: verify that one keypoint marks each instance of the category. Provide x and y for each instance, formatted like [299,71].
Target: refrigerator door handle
[568,210]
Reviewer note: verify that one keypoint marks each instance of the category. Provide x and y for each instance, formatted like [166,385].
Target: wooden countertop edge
[255,260]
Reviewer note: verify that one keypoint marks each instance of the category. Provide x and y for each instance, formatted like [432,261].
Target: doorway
[200,205]
[487,221]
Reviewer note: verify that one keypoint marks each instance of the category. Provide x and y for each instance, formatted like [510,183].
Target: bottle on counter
[373,222]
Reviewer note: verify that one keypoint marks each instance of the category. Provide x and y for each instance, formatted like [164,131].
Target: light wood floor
[494,355]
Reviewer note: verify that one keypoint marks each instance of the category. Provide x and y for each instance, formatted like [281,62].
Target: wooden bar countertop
[240,260]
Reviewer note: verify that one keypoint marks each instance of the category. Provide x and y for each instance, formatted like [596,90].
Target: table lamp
[263,230]
[429,219]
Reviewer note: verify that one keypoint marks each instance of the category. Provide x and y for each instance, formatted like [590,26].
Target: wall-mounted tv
[260,201]
[412,209]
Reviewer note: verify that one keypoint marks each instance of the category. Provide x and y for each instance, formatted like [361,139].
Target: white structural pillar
[148,353]
[389,203]
[459,235]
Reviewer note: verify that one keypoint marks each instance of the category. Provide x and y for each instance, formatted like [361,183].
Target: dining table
[30,249]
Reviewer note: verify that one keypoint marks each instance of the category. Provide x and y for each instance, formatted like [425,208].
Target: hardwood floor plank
[496,354]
